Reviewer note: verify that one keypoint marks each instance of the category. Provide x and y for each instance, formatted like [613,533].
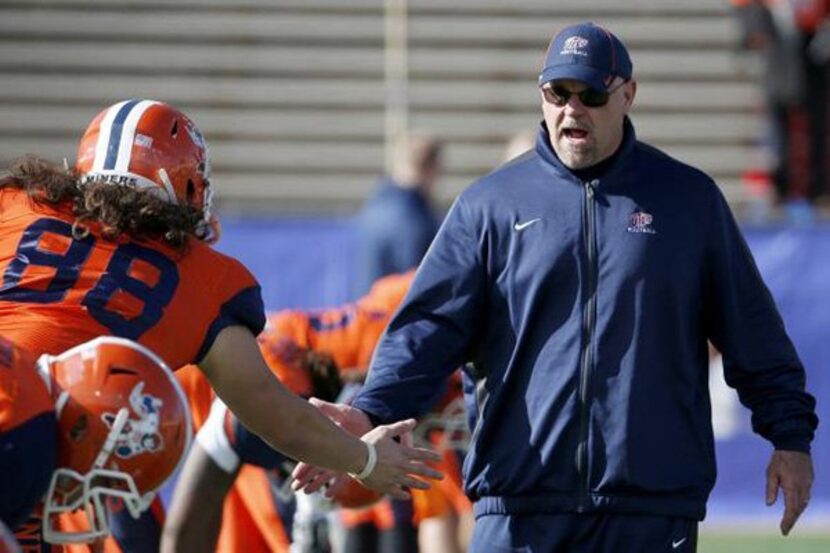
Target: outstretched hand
[396,463]
[310,478]
[792,471]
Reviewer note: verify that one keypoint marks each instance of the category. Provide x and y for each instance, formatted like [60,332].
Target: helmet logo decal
[141,432]
[195,135]
[143,140]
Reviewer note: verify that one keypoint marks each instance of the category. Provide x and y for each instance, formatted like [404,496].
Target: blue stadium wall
[309,263]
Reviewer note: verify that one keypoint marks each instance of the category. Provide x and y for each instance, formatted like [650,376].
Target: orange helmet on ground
[123,429]
[150,144]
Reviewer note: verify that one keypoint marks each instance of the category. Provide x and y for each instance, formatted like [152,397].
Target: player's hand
[792,471]
[310,478]
[398,462]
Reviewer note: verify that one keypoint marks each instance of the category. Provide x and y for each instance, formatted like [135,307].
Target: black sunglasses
[558,95]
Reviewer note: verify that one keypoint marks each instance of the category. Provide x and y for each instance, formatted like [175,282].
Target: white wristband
[371,462]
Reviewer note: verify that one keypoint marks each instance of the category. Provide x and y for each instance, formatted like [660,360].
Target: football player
[101,425]
[121,247]
[306,351]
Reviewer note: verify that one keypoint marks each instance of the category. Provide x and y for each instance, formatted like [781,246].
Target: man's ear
[629,91]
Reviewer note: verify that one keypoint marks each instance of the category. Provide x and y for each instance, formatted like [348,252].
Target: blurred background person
[794,41]
[398,222]
[519,143]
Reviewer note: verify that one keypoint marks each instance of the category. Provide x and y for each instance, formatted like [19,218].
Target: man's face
[581,135]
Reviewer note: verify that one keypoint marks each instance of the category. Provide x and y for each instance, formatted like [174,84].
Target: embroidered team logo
[640,222]
[140,433]
[575,46]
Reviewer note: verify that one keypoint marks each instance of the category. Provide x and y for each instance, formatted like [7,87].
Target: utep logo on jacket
[139,434]
[640,223]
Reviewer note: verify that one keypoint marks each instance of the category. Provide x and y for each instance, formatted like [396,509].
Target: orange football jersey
[63,286]
[387,293]
[348,333]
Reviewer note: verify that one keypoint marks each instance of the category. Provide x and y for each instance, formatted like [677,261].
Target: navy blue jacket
[584,309]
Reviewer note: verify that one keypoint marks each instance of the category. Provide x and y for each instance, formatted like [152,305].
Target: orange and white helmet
[123,428]
[150,144]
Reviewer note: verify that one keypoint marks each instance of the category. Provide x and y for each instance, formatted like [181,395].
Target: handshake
[392,466]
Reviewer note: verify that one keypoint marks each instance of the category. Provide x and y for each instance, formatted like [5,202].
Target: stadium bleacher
[290,93]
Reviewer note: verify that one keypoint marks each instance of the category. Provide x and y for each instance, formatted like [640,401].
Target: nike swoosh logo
[678,543]
[522,226]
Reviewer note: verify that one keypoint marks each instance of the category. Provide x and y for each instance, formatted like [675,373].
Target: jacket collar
[552,162]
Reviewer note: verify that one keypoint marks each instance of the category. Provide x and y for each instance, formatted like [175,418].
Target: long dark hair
[118,210]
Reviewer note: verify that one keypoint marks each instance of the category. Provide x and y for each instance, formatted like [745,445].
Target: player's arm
[290,425]
[195,515]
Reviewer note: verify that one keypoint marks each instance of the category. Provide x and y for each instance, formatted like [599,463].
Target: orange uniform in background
[250,521]
[348,335]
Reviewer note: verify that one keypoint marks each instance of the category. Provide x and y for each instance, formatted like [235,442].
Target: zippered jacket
[581,312]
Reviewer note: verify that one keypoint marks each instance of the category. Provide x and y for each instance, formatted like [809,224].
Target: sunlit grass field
[758,542]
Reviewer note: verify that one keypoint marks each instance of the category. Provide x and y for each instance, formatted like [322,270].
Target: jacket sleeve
[434,330]
[743,322]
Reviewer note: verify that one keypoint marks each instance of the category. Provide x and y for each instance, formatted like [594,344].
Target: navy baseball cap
[588,53]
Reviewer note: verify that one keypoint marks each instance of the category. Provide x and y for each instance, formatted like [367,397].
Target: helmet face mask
[93,492]
[151,145]
[123,428]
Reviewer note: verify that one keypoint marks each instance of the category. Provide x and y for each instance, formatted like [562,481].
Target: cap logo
[574,46]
